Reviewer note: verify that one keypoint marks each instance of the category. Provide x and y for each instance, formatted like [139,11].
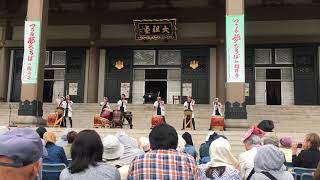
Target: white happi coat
[215,107]
[64,105]
[155,105]
[125,102]
[185,105]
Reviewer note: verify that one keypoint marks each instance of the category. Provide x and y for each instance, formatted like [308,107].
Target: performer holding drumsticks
[122,106]
[158,106]
[189,105]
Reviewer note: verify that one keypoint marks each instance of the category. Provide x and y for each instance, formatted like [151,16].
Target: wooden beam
[283,39]
[119,42]
[126,17]
[180,42]
[52,43]
[300,12]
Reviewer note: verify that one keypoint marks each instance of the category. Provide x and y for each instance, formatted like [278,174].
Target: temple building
[175,48]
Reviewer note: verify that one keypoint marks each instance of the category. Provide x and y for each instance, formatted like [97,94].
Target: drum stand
[185,123]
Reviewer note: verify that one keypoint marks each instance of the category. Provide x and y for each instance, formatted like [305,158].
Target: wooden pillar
[30,107]
[93,74]
[235,86]
[221,58]
[5,62]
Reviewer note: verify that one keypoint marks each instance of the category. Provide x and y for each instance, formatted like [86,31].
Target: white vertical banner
[235,48]
[31,52]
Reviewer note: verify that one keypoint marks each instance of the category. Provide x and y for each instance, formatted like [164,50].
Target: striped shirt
[163,164]
[229,174]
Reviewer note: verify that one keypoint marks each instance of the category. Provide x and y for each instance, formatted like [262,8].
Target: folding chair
[299,171]
[52,171]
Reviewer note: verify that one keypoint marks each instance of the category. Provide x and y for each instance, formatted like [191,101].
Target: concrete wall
[124,31]
[286,28]
[58,32]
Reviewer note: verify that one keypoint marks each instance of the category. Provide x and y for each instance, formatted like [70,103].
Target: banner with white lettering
[31,52]
[235,48]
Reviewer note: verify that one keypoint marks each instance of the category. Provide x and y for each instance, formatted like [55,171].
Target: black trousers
[127,117]
[64,122]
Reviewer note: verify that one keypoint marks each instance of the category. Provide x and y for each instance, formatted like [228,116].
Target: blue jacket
[190,150]
[55,154]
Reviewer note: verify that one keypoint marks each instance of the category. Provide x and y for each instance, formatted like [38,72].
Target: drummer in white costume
[158,106]
[217,107]
[189,105]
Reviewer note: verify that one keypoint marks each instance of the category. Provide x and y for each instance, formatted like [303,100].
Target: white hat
[112,148]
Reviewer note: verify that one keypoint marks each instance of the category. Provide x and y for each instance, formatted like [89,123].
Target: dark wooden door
[250,76]
[305,76]
[16,83]
[75,72]
[199,77]
[114,76]
[273,92]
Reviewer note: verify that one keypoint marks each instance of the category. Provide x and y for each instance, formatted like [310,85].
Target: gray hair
[271,140]
[253,140]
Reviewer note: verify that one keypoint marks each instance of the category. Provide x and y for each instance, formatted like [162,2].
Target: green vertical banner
[235,48]
[31,52]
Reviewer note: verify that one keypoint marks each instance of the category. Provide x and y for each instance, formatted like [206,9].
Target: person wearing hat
[20,153]
[251,141]
[269,164]
[285,147]
[112,151]
[223,165]
[189,148]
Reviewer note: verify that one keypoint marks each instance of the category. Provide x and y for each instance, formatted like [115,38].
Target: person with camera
[309,156]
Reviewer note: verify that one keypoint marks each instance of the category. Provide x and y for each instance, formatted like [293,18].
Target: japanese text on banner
[235,48]
[31,52]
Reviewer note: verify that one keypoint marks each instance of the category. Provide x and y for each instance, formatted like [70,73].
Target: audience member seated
[41,131]
[251,141]
[87,164]
[204,147]
[285,147]
[274,140]
[55,153]
[71,136]
[20,153]
[268,164]
[131,149]
[163,161]
[309,157]
[63,139]
[113,150]
[189,148]
[222,165]
[144,144]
